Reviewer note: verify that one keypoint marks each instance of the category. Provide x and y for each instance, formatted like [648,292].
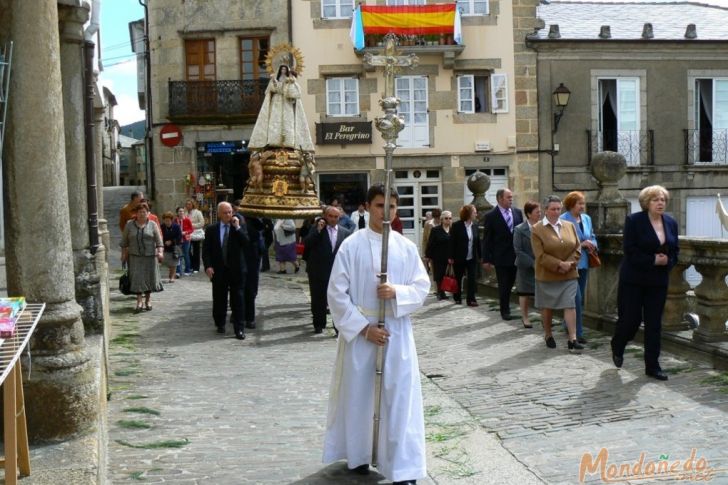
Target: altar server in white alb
[354,293]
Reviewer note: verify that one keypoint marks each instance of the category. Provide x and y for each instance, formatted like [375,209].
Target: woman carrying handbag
[439,251]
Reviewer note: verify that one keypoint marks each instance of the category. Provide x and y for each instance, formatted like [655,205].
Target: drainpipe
[149,145]
[91,187]
[93,214]
[290,22]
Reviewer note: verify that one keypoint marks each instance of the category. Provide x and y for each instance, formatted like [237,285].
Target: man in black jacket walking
[222,255]
[321,245]
[498,246]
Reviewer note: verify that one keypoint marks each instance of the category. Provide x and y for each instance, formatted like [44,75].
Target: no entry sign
[170,135]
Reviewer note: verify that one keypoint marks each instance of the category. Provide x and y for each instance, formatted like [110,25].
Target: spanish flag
[409,19]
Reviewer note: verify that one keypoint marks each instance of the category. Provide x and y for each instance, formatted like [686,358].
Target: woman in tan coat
[556,252]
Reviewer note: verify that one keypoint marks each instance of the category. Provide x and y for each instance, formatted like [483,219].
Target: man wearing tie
[498,248]
[222,255]
[321,245]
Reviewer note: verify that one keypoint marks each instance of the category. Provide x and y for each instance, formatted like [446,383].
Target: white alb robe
[353,302]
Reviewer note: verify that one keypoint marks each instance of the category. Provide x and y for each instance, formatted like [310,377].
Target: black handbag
[125,284]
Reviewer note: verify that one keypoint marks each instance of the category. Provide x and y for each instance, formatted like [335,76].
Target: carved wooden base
[283,187]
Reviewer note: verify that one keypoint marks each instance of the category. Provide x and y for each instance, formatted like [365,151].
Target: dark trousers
[264,257]
[469,268]
[317,287]
[250,293]
[221,287]
[195,255]
[635,304]
[506,276]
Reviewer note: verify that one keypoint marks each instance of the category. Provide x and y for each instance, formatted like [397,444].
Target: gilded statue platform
[281,185]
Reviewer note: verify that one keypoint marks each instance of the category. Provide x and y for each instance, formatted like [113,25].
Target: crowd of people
[546,251]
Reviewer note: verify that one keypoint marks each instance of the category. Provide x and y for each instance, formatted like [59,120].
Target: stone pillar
[478,184]
[88,290]
[676,304]
[61,394]
[609,209]
[711,297]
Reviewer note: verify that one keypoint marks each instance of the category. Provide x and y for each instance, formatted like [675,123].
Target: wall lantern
[561,99]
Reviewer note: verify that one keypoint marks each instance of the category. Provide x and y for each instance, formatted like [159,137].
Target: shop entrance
[350,189]
[419,191]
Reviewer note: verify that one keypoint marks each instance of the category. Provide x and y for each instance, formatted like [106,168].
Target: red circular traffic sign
[170,135]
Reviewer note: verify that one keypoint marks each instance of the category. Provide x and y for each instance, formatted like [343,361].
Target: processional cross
[389,126]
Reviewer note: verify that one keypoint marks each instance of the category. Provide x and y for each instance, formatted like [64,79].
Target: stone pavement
[189,406]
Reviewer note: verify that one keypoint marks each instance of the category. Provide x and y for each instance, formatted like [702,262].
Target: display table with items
[17,324]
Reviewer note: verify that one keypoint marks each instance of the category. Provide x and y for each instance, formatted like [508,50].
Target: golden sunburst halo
[282,53]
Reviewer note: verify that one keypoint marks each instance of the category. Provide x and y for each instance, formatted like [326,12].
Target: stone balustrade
[708,256]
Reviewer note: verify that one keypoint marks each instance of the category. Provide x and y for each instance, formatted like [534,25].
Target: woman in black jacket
[650,252]
[439,251]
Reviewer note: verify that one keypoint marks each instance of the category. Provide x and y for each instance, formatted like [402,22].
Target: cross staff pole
[389,125]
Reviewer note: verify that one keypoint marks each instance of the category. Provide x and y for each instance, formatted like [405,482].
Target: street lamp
[561,99]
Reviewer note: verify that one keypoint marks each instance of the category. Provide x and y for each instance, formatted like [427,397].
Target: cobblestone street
[191,406]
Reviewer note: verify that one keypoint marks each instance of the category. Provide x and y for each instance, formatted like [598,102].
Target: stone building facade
[476,107]
[207,79]
[647,81]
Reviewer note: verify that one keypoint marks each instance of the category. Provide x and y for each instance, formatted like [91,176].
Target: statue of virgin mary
[282,122]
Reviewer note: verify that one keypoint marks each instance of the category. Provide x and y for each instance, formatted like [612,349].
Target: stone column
[711,297]
[676,304]
[609,209]
[61,394]
[478,184]
[73,15]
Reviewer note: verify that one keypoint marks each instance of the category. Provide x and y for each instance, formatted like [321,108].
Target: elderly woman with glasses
[556,251]
[439,250]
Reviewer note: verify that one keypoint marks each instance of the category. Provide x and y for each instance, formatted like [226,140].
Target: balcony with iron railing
[706,147]
[216,102]
[637,146]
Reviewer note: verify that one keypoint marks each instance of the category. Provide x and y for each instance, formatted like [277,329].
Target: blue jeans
[580,297]
[185,258]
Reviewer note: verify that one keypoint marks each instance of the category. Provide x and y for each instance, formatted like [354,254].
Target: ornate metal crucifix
[389,126]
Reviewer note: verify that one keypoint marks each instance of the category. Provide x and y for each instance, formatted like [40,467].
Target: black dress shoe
[657,374]
[220,329]
[240,335]
[550,343]
[506,317]
[406,482]
[361,469]
[581,340]
[318,330]
[250,325]
[575,347]
[473,303]
[618,359]
[458,302]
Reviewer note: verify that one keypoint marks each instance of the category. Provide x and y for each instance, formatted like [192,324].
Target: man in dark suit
[498,246]
[222,255]
[320,247]
[252,252]
[465,242]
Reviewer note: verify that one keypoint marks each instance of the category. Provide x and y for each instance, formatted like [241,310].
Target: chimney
[647,32]
[605,32]
[691,32]
[554,31]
